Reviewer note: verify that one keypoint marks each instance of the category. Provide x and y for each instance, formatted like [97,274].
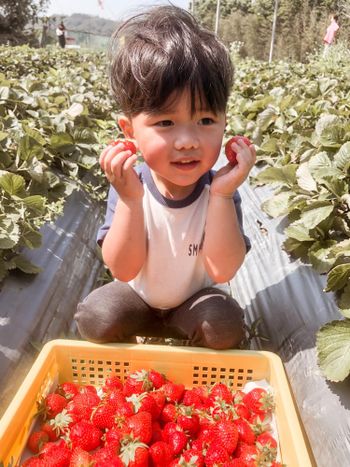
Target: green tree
[301,25]
[18,19]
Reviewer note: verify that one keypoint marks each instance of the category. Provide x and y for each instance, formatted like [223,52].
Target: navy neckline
[174,203]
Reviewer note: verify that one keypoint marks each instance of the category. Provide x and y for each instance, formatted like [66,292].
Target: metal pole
[273,30]
[217,16]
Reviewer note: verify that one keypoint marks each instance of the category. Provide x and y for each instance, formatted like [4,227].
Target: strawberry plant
[55,117]
[298,116]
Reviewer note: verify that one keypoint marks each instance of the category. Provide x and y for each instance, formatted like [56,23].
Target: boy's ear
[126,126]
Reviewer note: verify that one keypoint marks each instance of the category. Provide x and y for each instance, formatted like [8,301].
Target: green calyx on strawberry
[127,145]
[230,153]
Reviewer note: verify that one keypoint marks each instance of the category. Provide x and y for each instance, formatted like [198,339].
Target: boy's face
[177,146]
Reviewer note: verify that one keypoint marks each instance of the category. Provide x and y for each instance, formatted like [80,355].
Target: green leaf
[283,175]
[333,349]
[313,217]
[26,266]
[305,179]
[277,205]
[298,231]
[62,142]
[342,157]
[319,256]
[35,202]
[267,117]
[344,301]
[13,184]
[9,232]
[338,277]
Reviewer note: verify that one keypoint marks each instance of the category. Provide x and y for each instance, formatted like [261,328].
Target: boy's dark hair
[165,50]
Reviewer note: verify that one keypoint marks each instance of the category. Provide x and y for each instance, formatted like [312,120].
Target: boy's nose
[186,140]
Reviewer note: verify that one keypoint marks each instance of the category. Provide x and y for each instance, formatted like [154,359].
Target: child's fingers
[112,164]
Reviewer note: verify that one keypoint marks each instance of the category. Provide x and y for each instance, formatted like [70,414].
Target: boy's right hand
[117,163]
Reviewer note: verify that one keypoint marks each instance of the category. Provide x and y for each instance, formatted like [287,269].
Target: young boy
[173,227]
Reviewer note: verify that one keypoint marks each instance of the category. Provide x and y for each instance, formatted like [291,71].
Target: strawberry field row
[298,116]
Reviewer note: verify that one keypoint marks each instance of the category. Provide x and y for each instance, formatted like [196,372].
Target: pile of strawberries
[150,421]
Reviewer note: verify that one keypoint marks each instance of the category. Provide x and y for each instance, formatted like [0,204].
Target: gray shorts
[114,313]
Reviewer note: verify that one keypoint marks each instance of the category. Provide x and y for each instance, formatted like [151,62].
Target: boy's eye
[206,121]
[164,123]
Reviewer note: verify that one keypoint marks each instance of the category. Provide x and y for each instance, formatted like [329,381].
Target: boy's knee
[221,337]
[89,326]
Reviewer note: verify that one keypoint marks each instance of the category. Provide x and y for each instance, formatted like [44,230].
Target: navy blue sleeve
[238,201]
[111,203]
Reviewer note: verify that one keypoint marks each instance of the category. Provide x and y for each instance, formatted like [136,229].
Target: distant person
[332,30]
[61,35]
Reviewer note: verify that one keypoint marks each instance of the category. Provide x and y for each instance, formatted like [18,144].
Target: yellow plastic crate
[87,363]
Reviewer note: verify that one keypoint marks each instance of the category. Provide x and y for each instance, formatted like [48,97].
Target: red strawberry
[51,431]
[103,416]
[159,397]
[189,422]
[259,401]
[58,456]
[80,458]
[156,378]
[160,454]
[169,413]
[173,392]
[108,455]
[140,425]
[135,454]
[113,436]
[192,398]
[145,403]
[230,153]
[241,411]
[82,405]
[234,463]
[68,389]
[192,457]
[248,454]
[86,435]
[177,441]
[266,439]
[54,404]
[136,383]
[127,145]
[216,455]
[113,382]
[245,431]
[267,444]
[221,392]
[37,440]
[225,432]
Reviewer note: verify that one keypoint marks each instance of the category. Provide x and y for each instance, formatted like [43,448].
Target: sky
[112,9]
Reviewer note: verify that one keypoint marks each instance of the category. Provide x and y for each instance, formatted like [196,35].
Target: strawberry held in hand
[230,153]
[127,145]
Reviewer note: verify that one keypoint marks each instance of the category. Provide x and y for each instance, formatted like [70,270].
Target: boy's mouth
[186,164]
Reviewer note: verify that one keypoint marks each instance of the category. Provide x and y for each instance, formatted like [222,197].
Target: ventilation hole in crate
[240,370]
[249,370]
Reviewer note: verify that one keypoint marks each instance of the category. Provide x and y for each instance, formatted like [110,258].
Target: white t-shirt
[174,269]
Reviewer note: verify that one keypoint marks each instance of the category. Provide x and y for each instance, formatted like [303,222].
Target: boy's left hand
[229,178]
